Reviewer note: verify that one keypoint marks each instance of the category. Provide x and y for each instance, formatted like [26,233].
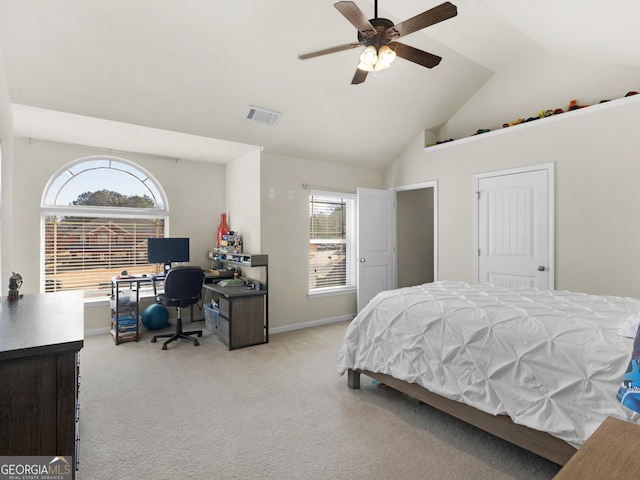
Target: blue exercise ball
[155,317]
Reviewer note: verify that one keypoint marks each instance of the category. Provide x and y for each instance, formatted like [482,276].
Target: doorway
[416,234]
[405,225]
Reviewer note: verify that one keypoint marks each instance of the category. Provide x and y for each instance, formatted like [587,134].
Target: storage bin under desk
[242,316]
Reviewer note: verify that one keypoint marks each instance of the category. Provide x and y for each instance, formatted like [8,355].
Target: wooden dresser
[40,339]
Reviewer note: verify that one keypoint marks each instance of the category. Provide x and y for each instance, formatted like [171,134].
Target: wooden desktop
[612,452]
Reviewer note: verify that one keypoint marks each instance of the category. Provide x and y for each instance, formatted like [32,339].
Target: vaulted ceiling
[177,77]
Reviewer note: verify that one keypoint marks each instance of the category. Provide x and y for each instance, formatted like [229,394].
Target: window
[97,215]
[332,248]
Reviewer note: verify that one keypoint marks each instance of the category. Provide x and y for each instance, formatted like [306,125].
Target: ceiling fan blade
[359,77]
[326,51]
[358,19]
[414,55]
[437,14]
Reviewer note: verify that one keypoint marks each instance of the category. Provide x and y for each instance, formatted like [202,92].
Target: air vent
[262,116]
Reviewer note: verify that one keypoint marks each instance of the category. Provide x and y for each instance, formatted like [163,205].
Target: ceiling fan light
[369,56]
[386,55]
[380,66]
[365,67]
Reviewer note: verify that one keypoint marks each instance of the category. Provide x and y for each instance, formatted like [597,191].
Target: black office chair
[182,288]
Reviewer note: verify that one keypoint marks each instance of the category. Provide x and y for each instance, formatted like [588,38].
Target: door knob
[541,268]
[362,260]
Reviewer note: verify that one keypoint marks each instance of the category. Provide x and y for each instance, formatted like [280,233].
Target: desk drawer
[224,306]
[224,332]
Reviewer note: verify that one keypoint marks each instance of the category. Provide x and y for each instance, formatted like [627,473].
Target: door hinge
[478,252]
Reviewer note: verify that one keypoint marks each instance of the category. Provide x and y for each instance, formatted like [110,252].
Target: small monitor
[167,250]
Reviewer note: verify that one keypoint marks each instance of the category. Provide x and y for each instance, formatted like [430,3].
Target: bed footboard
[540,443]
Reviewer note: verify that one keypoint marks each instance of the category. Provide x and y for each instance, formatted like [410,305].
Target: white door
[515,228]
[376,243]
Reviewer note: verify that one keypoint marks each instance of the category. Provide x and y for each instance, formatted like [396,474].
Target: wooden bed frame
[540,443]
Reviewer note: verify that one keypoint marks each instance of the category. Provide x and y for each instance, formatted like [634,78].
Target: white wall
[194,190]
[285,235]
[546,82]
[243,199]
[597,156]
[6,178]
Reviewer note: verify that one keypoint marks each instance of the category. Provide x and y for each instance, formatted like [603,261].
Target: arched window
[97,214]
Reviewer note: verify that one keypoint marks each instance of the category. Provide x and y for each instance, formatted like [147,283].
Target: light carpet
[272,411]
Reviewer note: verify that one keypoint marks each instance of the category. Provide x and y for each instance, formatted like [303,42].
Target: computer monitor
[167,250]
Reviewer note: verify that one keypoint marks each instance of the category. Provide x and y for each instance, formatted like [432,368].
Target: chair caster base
[177,336]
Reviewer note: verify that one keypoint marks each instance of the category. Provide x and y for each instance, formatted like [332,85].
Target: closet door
[514,229]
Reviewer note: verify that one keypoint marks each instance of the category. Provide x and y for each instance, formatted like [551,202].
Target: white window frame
[350,241]
[57,183]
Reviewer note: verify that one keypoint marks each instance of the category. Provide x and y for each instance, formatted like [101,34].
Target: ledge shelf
[541,121]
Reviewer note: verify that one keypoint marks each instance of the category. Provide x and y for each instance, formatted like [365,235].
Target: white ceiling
[176,77]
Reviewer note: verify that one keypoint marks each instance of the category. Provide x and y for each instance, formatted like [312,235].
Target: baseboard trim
[287,328]
[312,323]
[96,331]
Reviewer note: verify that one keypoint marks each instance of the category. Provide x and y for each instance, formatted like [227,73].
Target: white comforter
[551,360]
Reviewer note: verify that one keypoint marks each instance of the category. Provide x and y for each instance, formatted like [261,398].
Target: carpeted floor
[273,411]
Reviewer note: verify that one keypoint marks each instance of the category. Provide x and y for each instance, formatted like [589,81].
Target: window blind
[83,253]
[330,245]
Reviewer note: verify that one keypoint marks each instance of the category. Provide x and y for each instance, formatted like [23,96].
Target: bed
[538,368]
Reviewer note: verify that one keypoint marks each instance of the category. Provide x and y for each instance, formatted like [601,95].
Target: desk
[611,452]
[243,319]
[42,335]
[125,306]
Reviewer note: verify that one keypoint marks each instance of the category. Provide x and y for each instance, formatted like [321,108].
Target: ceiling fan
[379,36]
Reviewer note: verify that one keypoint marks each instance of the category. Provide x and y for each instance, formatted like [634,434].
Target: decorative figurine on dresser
[15,282]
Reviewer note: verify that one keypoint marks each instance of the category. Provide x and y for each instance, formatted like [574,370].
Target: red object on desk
[223,228]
